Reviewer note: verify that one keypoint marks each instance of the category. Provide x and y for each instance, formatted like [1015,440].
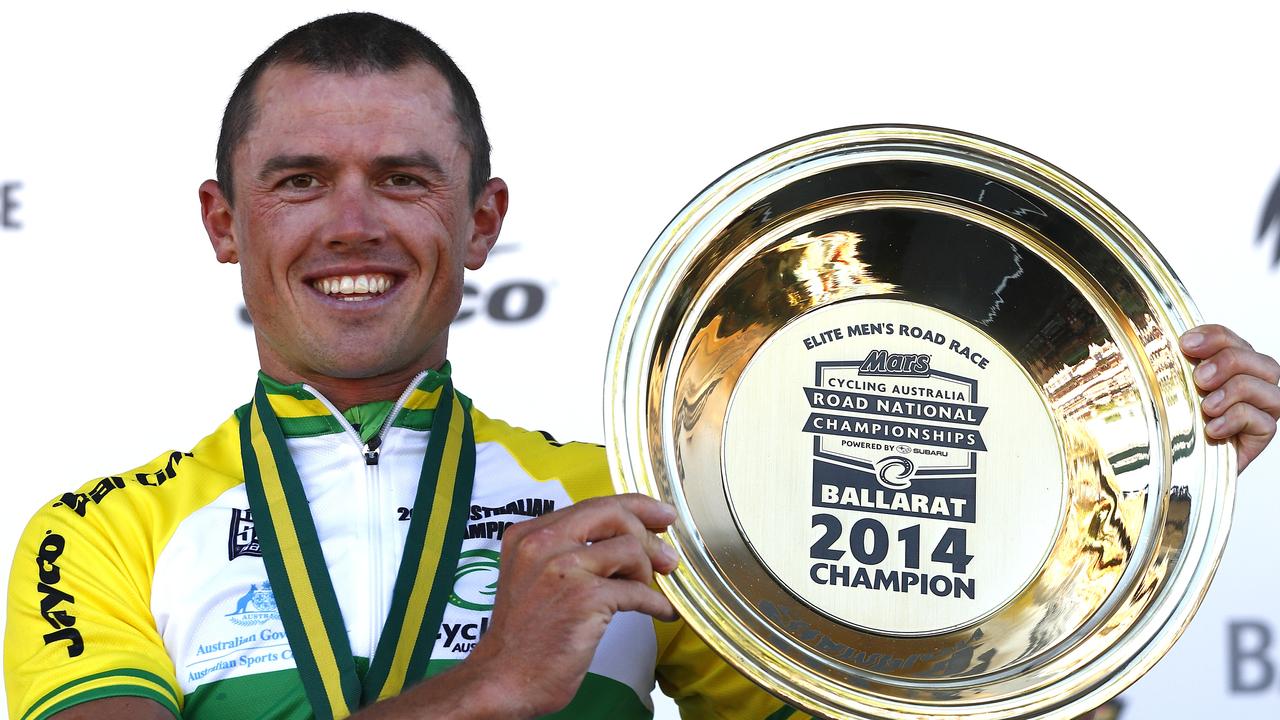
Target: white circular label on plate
[893,467]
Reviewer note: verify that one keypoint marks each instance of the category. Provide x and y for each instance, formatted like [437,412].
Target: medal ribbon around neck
[300,579]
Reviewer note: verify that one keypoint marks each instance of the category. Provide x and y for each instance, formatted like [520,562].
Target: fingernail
[1215,426]
[1214,399]
[1192,340]
[1205,372]
[669,554]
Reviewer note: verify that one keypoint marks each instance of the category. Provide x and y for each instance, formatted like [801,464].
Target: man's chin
[366,365]
[321,357]
[372,370]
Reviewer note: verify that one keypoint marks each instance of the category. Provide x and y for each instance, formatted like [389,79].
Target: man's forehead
[292,85]
[363,117]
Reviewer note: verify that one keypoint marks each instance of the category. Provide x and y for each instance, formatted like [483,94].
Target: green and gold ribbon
[300,579]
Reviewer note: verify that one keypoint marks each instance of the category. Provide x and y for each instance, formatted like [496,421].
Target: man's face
[353,221]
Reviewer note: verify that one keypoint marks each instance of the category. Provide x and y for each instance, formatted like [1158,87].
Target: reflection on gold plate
[917,399]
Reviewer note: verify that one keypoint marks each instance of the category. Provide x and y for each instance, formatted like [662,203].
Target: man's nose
[354,219]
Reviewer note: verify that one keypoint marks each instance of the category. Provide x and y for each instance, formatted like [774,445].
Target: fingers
[638,596]
[1251,428]
[1205,340]
[625,556]
[620,527]
[1242,401]
[1241,419]
[616,570]
[1246,389]
[1229,362]
[605,517]
[655,515]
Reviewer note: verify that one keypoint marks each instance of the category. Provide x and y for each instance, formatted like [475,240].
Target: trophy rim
[1146,639]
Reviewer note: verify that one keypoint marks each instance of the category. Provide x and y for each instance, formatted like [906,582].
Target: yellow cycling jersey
[151,583]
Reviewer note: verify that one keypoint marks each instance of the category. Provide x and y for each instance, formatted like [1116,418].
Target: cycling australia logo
[1269,224]
[255,607]
[476,581]
[869,455]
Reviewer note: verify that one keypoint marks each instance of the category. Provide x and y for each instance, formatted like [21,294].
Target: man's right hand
[562,578]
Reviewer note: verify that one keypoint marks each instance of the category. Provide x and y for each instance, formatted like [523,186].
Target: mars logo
[1269,223]
[883,362]
[9,205]
[892,435]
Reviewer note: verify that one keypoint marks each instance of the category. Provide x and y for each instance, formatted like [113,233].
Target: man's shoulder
[163,489]
[80,624]
[582,466]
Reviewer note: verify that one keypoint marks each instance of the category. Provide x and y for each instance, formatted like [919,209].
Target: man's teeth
[354,288]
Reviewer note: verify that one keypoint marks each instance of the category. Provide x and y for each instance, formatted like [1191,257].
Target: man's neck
[346,393]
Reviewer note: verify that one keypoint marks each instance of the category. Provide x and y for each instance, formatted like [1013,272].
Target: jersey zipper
[372,449]
[373,495]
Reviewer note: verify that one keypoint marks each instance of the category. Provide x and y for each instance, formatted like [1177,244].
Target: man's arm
[79,627]
[116,708]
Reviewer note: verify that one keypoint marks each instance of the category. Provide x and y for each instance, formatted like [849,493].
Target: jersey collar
[303,412]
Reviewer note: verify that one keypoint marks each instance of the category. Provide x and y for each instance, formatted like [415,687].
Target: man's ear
[215,211]
[486,216]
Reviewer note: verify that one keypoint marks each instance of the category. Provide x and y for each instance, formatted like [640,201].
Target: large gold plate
[918,401]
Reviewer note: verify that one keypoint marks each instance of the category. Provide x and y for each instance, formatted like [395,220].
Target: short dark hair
[354,43]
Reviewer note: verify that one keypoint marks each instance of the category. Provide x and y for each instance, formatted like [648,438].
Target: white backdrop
[123,334]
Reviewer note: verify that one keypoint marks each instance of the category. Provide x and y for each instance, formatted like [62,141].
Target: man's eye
[403,181]
[301,182]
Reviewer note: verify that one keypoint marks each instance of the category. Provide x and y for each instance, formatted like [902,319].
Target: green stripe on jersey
[603,697]
[275,387]
[310,426]
[122,673]
[107,691]
[299,427]
[279,696]
[369,417]
[275,695]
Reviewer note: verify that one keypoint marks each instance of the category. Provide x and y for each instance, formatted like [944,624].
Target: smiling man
[354,214]
[367,507]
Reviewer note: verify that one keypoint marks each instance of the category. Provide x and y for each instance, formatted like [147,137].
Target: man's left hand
[1242,400]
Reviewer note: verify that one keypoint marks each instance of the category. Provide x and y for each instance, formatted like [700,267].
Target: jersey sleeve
[705,687]
[79,624]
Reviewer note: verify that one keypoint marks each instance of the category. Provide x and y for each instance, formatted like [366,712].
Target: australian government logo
[256,606]
[893,435]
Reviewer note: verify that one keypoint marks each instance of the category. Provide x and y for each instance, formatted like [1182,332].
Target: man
[362,496]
